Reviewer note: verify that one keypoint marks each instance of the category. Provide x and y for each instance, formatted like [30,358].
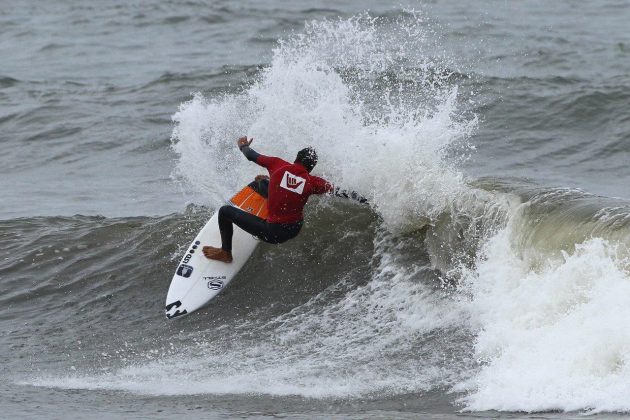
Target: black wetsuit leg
[273,233]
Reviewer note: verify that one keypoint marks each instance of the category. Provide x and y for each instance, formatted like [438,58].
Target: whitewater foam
[551,336]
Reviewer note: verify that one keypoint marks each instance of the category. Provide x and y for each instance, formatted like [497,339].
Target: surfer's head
[307,157]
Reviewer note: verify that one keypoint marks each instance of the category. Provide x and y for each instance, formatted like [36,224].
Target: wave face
[491,293]
[348,328]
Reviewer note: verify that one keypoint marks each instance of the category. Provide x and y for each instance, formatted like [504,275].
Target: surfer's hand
[261,177]
[242,142]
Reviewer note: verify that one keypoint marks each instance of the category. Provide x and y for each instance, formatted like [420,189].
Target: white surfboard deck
[198,279]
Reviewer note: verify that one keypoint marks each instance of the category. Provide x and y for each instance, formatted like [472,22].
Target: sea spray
[319,90]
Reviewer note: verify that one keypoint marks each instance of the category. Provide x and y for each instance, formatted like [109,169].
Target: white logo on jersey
[292,183]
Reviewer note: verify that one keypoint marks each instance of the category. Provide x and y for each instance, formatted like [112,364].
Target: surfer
[290,185]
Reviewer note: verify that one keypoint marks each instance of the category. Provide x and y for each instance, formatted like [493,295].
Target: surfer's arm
[321,186]
[250,153]
[268,162]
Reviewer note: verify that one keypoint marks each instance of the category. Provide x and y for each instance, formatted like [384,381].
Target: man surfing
[290,185]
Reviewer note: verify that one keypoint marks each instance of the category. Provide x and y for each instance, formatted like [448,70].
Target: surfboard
[197,279]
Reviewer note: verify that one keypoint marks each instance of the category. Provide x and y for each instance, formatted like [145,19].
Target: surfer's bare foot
[218,254]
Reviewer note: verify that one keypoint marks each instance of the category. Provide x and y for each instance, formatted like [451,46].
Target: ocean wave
[511,295]
[6,81]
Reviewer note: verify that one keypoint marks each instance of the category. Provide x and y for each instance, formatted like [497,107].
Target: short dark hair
[307,157]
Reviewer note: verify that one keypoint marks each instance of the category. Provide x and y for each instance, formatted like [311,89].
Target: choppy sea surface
[489,277]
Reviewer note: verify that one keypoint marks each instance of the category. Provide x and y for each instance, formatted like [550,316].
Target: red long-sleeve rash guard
[290,186]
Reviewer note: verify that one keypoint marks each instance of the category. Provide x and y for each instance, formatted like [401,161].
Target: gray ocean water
[489,277]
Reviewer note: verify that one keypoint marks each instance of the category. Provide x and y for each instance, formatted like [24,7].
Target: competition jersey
[290,185]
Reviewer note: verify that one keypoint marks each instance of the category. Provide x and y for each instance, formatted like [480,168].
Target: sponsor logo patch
[292,183]
[215,284]
[174,305]
[184,270]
